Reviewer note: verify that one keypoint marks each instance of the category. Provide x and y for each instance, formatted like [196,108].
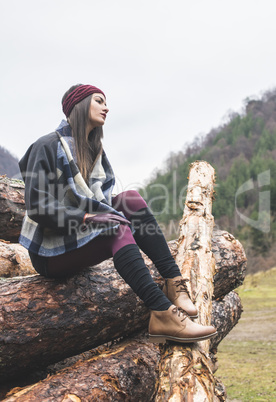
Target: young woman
[73,220]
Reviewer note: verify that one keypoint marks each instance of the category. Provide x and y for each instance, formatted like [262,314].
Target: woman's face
[98,111]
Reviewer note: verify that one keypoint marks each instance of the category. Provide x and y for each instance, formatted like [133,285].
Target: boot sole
[164,338]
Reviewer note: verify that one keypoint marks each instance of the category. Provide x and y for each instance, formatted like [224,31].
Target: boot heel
[157,339]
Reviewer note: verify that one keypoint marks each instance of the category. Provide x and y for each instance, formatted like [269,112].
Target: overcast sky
[171,70]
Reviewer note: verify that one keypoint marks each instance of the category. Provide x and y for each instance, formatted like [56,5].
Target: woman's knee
[129,202]
[122,238]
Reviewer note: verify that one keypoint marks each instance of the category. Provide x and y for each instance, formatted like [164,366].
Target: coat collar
[64,129]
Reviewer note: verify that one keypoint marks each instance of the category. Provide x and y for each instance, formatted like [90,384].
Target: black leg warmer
[149,237]
[131,266]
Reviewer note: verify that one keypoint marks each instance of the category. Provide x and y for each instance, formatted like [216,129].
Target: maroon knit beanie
[78,95]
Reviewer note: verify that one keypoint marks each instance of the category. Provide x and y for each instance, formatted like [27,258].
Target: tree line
[243,153]
[8,163]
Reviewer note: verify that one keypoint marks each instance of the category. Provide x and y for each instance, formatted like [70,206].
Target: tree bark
[186,372]
[225,315]
[14,260]
[126,371]
[45,320]
[230,263]
[12,208]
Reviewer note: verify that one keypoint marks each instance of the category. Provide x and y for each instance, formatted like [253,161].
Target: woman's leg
[148,235]
[131,266]
[127,261]
[151,240]
[97,250]
[72,262]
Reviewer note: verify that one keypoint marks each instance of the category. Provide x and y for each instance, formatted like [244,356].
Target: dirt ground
[256,325]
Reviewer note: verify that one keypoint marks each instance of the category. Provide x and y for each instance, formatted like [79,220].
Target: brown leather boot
[174,324]
[177,292]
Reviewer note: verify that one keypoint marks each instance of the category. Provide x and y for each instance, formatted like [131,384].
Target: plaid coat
[57,197]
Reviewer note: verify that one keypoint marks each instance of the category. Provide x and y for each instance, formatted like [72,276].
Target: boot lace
[181,283]
[180,312]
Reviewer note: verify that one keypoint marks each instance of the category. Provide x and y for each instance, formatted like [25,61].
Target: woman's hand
[105,218]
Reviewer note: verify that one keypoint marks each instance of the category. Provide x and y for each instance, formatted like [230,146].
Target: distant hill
[8,163]
[243,153]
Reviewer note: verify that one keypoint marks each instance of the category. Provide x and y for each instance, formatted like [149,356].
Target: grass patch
[247,356]
[258,291]
[247,369]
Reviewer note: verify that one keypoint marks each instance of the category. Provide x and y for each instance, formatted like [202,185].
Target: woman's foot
[174,324]
[177,292]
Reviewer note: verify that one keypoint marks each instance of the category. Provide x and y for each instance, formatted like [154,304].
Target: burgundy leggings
[103,246]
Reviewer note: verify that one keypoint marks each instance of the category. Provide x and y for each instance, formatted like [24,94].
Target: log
[45,320]
[228,252]
[186,372]
[14,260]
[225,315]
[36,311]
[231,263]
[125,371]
[12,208]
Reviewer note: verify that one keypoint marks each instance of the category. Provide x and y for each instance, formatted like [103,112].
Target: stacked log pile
[60,331]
